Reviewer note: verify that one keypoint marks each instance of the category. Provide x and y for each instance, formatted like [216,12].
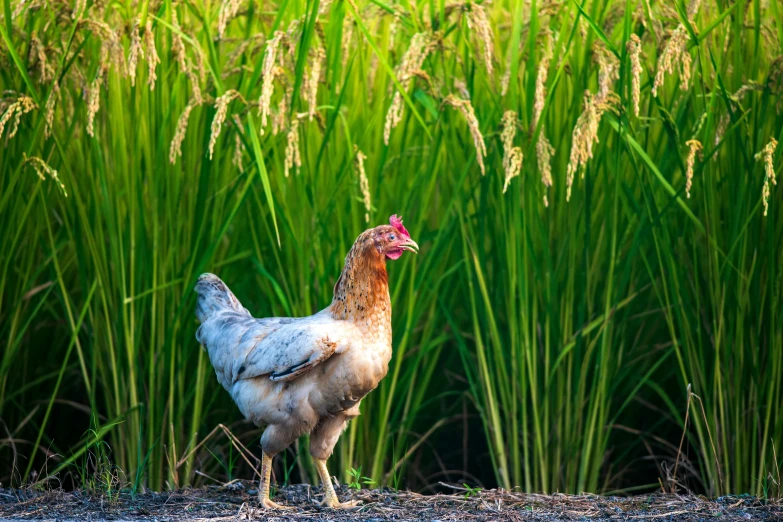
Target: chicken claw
[266,503]
[334,503]
[330,497]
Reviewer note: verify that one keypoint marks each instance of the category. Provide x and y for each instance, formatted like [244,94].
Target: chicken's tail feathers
[214,297]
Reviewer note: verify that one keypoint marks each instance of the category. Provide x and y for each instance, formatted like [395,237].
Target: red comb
[396,222]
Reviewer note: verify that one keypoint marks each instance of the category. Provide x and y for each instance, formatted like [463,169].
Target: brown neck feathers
[363,284]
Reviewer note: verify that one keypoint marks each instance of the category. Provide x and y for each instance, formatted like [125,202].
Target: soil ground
[237,501]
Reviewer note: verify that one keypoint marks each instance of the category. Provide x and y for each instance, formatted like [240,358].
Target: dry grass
[237,501]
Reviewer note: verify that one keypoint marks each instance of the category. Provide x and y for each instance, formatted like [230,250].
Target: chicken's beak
[410,245]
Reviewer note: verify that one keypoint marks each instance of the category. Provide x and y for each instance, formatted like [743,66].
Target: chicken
[298,375]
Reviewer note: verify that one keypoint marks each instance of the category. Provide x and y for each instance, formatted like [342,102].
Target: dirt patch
[237,501]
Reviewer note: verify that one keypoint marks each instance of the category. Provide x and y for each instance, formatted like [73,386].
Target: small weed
[97,474]
[357,479]
[471,492]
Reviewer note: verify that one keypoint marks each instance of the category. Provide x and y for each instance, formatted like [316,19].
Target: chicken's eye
[391,237]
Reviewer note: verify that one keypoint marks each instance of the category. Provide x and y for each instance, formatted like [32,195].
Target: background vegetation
[621,332]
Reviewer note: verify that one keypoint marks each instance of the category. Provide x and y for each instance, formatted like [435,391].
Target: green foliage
[356,480]
[470,491]
[567,321]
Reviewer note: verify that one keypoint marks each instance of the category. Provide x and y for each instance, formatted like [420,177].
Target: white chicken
[306,374]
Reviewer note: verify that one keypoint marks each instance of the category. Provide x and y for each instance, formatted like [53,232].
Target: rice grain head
[238,148]
[228,10]
[466,108]
[608,70]
[177,45]
[693,9]
[49,108]
[507,134]
[21,7]
[506,79]
[221,109]
[544,153]
[694,146]
[767,154]
[478,22]
[280,118]
[151,55]
[42,169]
[175,149]
[78,8]
[292,156]
[634,49]
[111,52]
[539,95]
[312,80]
[195,86]
[364,184]
[268,76]
[585,135]
[16,110]
[674,53]
[93,104]
[420,46]
[40,51]
[514,166]
[136,51]
[393,31]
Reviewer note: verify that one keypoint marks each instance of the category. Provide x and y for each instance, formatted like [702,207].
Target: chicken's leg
[263,487]
[330,497]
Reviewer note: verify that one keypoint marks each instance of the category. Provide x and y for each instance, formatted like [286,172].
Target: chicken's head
[392,240]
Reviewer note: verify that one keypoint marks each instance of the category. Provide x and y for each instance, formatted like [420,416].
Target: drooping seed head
[585,134]
[136,51]
[43,169]
[466,108]
[228,10]
[93,103]
[766,154]
[634,49]
[221,109]
[539,95]
[292,155]
[49,109]
[238,148]
[420,46]
[268,76]
[22,105]
[478,22]
[514,166]
[175,149]
[151,55]
[694,146]
[364,184]
[608,70]
[507,134]
[544,153]
[311,80]
[674,54]
[177,44]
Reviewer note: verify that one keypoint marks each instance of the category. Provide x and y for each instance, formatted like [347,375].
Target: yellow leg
[330,497]
[263,488]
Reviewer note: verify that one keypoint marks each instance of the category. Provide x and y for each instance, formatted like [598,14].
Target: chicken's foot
[330,497]
[263,487]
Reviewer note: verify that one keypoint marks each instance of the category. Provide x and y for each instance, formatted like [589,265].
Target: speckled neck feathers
[362,290]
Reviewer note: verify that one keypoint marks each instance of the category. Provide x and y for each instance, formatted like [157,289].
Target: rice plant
[593,183]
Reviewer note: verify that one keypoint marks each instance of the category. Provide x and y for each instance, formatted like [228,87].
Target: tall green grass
[564,324]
